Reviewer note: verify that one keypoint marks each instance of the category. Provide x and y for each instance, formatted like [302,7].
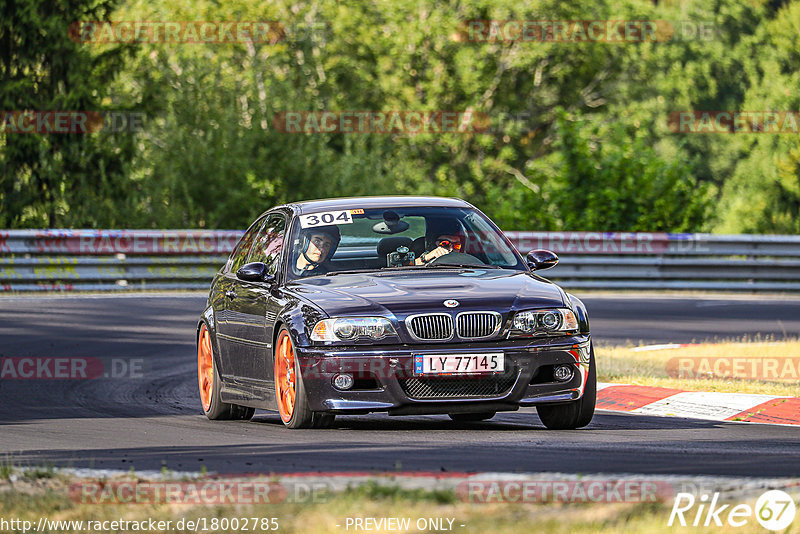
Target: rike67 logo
[774,510]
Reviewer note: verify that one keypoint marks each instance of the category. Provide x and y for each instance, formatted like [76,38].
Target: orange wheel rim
[285,378]
[205,367]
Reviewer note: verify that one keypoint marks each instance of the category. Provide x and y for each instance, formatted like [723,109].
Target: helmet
[331,232]
[446,228]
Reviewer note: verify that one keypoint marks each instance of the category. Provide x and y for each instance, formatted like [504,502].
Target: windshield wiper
[379,270]
[462,265]
[415,267]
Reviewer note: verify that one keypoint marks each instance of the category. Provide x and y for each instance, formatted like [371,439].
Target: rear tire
[576,414]
[210,385]
[290,392]
[471,417]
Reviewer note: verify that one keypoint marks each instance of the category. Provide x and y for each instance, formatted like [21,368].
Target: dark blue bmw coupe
[406,305]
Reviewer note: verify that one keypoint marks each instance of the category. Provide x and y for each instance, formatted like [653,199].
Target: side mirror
[255,272]
[541,259]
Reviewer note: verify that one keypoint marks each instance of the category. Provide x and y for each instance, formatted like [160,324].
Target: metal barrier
[102,260]
[620,260]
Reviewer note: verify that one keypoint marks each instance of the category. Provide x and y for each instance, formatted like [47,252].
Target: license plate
[449,364]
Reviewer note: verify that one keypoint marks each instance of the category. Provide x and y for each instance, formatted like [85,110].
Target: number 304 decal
[325,219]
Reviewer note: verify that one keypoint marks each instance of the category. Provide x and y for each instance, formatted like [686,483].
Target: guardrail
[620,260]
[102,260]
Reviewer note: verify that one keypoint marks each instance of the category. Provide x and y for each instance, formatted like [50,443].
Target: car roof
[346,203]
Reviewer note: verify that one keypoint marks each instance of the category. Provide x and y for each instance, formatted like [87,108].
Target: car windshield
[399,238]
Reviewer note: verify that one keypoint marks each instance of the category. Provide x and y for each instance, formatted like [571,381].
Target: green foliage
[63,179]
[763,193]
[610,180]
[578,139]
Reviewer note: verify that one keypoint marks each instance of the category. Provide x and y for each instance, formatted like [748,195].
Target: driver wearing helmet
[443,237]
[317,246]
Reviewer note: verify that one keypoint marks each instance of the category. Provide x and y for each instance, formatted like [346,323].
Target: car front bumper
[386,380]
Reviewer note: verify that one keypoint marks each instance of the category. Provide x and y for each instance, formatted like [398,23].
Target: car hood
[404,293]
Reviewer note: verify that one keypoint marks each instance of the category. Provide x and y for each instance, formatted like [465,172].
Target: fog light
[343,381]
[563,373]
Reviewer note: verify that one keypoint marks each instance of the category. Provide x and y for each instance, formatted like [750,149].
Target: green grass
[35,473]
[394,493]
[6,468]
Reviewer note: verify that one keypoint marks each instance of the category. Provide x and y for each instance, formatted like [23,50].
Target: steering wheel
[457,257]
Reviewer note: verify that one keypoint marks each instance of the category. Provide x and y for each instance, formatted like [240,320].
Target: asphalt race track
[155,420]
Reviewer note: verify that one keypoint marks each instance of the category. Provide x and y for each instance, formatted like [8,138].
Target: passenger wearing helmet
[317,245]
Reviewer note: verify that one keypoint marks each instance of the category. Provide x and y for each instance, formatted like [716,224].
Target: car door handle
[231,294]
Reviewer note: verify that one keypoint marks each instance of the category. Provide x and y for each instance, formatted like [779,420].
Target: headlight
[543,322]
[352,328]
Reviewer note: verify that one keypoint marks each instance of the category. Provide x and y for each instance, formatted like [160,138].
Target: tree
[610,181]
[55,180]
[763,193]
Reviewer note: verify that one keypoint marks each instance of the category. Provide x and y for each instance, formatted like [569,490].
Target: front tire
[576,414]
[209,384]
[290,392]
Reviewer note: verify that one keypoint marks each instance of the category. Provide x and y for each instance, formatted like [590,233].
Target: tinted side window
[269,242]
[239,255]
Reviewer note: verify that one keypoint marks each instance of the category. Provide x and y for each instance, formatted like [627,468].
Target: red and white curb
[699,405]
